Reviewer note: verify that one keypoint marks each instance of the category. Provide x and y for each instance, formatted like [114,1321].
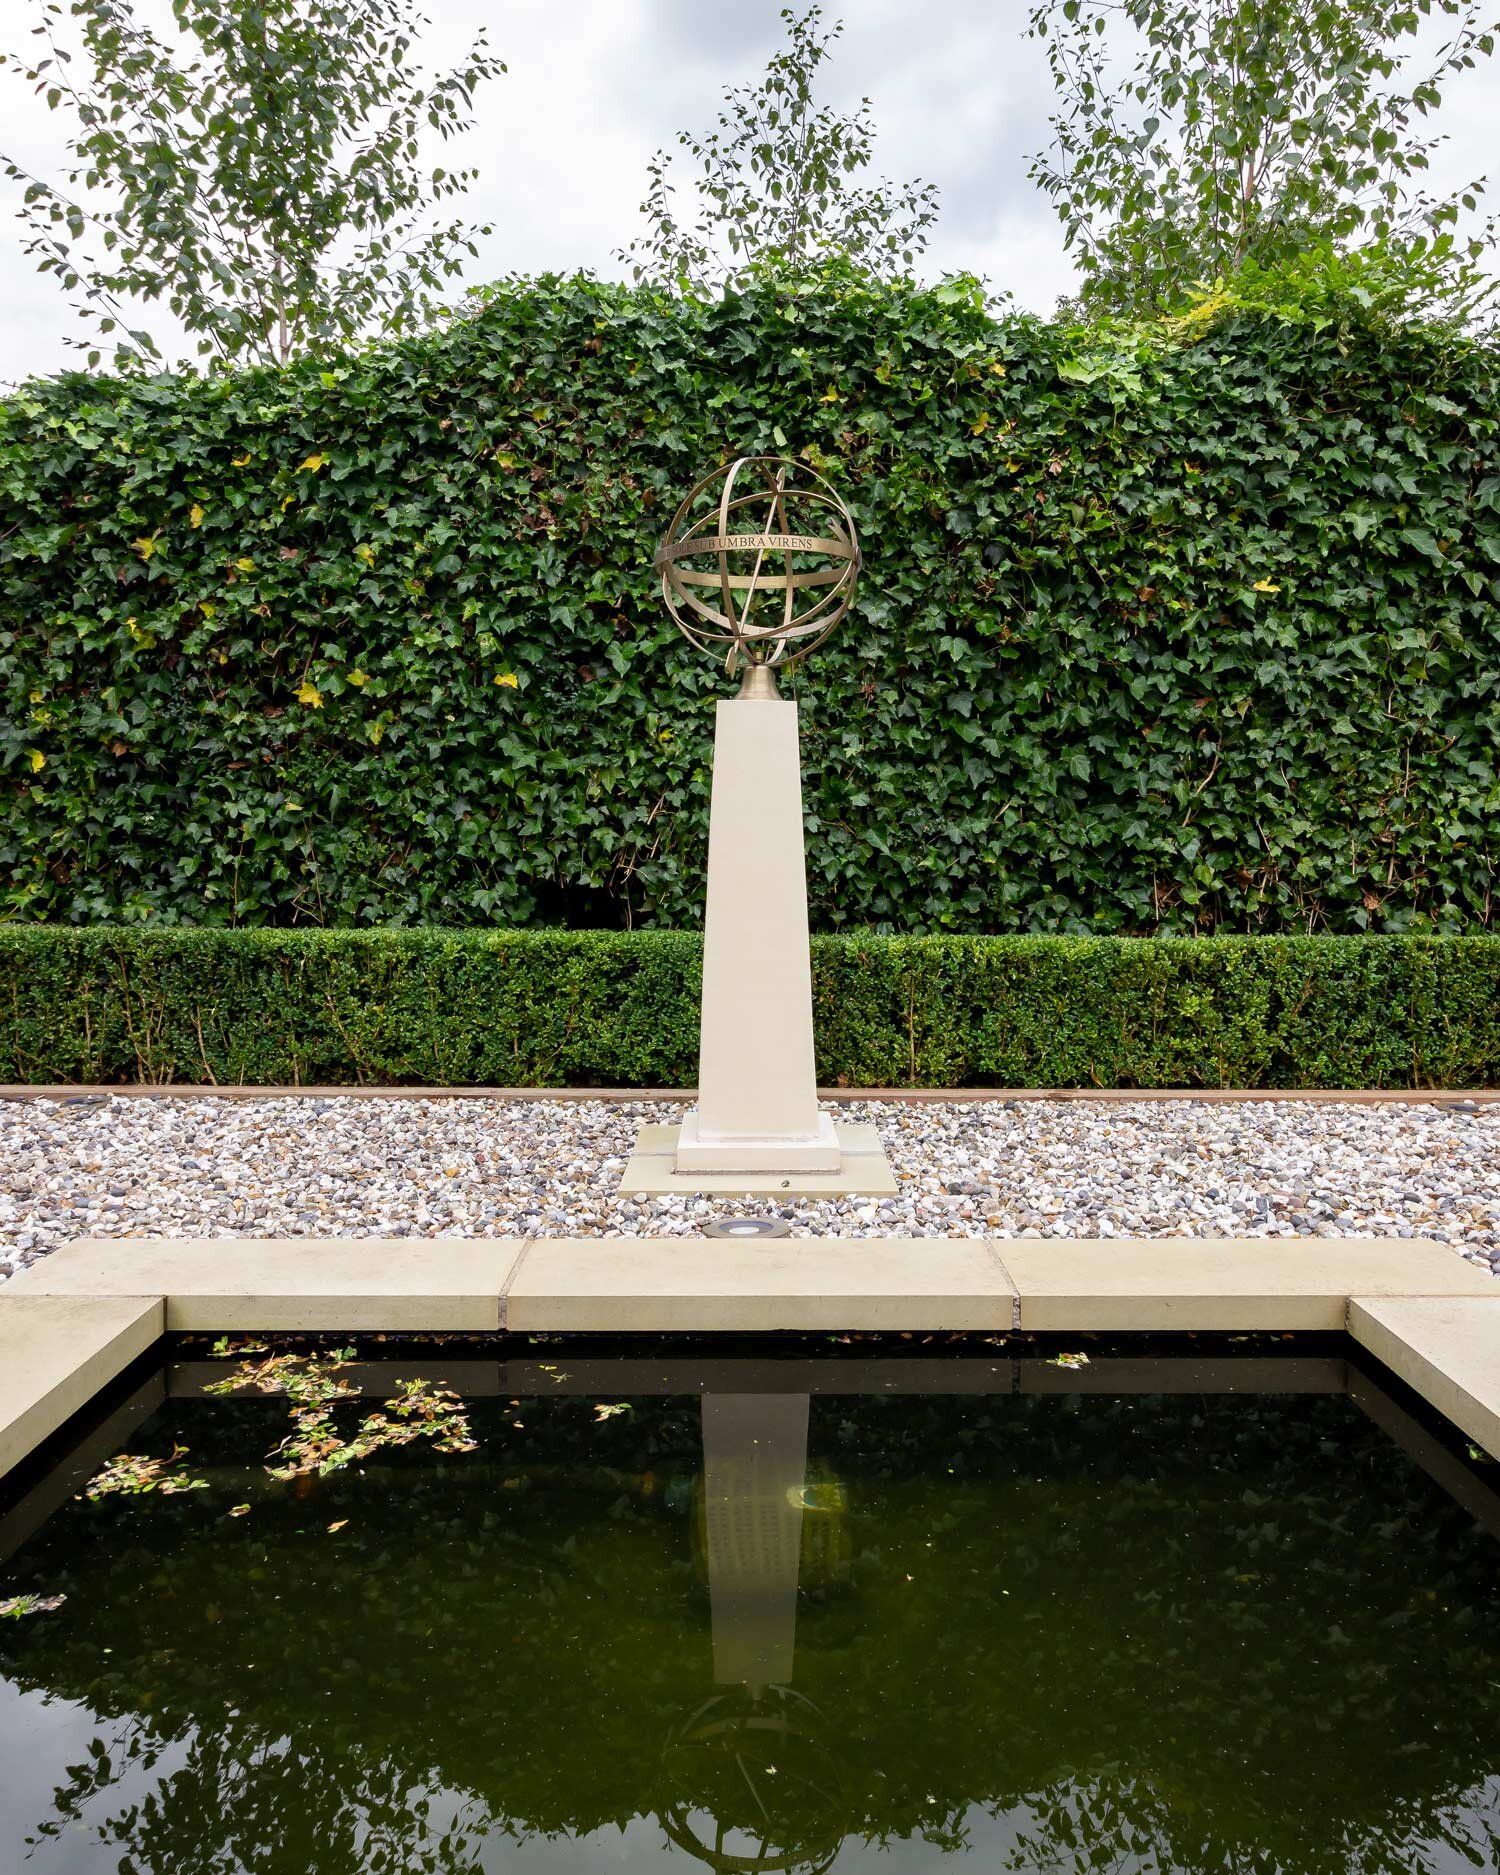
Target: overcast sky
[595,86]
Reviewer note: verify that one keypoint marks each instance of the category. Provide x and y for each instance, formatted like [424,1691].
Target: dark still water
[863,1615]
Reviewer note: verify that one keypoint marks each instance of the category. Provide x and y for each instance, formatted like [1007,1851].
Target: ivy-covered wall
[1188,636]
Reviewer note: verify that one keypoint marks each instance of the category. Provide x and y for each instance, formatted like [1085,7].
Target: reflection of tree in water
[235,1798]
[1130,1658]
[1121,1825]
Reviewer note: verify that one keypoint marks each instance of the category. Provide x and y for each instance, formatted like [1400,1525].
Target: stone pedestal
[756,1125]
[757,1105]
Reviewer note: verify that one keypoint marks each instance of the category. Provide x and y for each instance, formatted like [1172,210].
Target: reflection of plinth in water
[755,1773]
[757,1125]
[754,1477]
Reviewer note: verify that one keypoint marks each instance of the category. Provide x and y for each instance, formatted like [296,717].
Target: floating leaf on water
[14,1607]
[608,1412]
[132,1476]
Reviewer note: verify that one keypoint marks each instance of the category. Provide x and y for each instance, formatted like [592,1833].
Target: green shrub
[585,1008]
[1197,636]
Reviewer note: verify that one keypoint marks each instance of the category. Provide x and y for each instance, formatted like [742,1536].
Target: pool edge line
[73,1321]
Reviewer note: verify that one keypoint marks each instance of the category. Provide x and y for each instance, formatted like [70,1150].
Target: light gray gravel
[351,1167]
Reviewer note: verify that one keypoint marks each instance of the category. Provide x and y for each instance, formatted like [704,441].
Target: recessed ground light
[748,1227]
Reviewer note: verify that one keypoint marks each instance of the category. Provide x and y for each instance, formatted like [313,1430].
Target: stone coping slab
[1223,1284]
[56,1352]
[697,1285]
[359,1284]
[1447,1348]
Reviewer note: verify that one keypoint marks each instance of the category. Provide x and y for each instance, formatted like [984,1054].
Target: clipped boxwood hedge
[551,1009]
[1172,637]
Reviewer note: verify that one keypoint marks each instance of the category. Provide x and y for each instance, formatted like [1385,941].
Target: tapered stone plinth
[757,1114]
[757,1105]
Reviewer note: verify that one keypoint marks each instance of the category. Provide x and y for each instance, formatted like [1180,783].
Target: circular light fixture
[748,1227]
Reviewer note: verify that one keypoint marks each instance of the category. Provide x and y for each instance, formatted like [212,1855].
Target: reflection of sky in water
[40,1734]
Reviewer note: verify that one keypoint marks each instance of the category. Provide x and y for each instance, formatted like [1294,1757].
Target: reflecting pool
[999,1609]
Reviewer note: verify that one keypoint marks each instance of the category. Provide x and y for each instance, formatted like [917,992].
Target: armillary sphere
[761,557]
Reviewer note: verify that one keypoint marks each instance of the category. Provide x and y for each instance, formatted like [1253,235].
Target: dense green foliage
[252,171]
[1193,136]
[621,1008]
[1192,634]
[775,183]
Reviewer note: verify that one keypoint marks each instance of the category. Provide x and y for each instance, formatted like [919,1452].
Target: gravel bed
[133,1167]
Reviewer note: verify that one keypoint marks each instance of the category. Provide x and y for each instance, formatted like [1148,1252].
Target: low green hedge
[590,1008]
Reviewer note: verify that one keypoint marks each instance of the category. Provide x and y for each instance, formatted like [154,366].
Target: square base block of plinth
[821,1153]
[864,1171]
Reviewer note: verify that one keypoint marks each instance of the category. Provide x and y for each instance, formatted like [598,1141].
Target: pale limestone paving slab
[1447,1348]
[677,1285]
[56,1352]
[343,1284]
[864,1170]
[1222,1284]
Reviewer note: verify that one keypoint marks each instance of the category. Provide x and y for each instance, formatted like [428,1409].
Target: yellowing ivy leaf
[830,396]
[240,461]
[312,462]
[207,607]
[195,514]
[358,678]
[38,761]
[980,424]
[245,566]
[507,680]
[144,547]
[309,694]
[1266,585]
[998,369]
[365,553]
